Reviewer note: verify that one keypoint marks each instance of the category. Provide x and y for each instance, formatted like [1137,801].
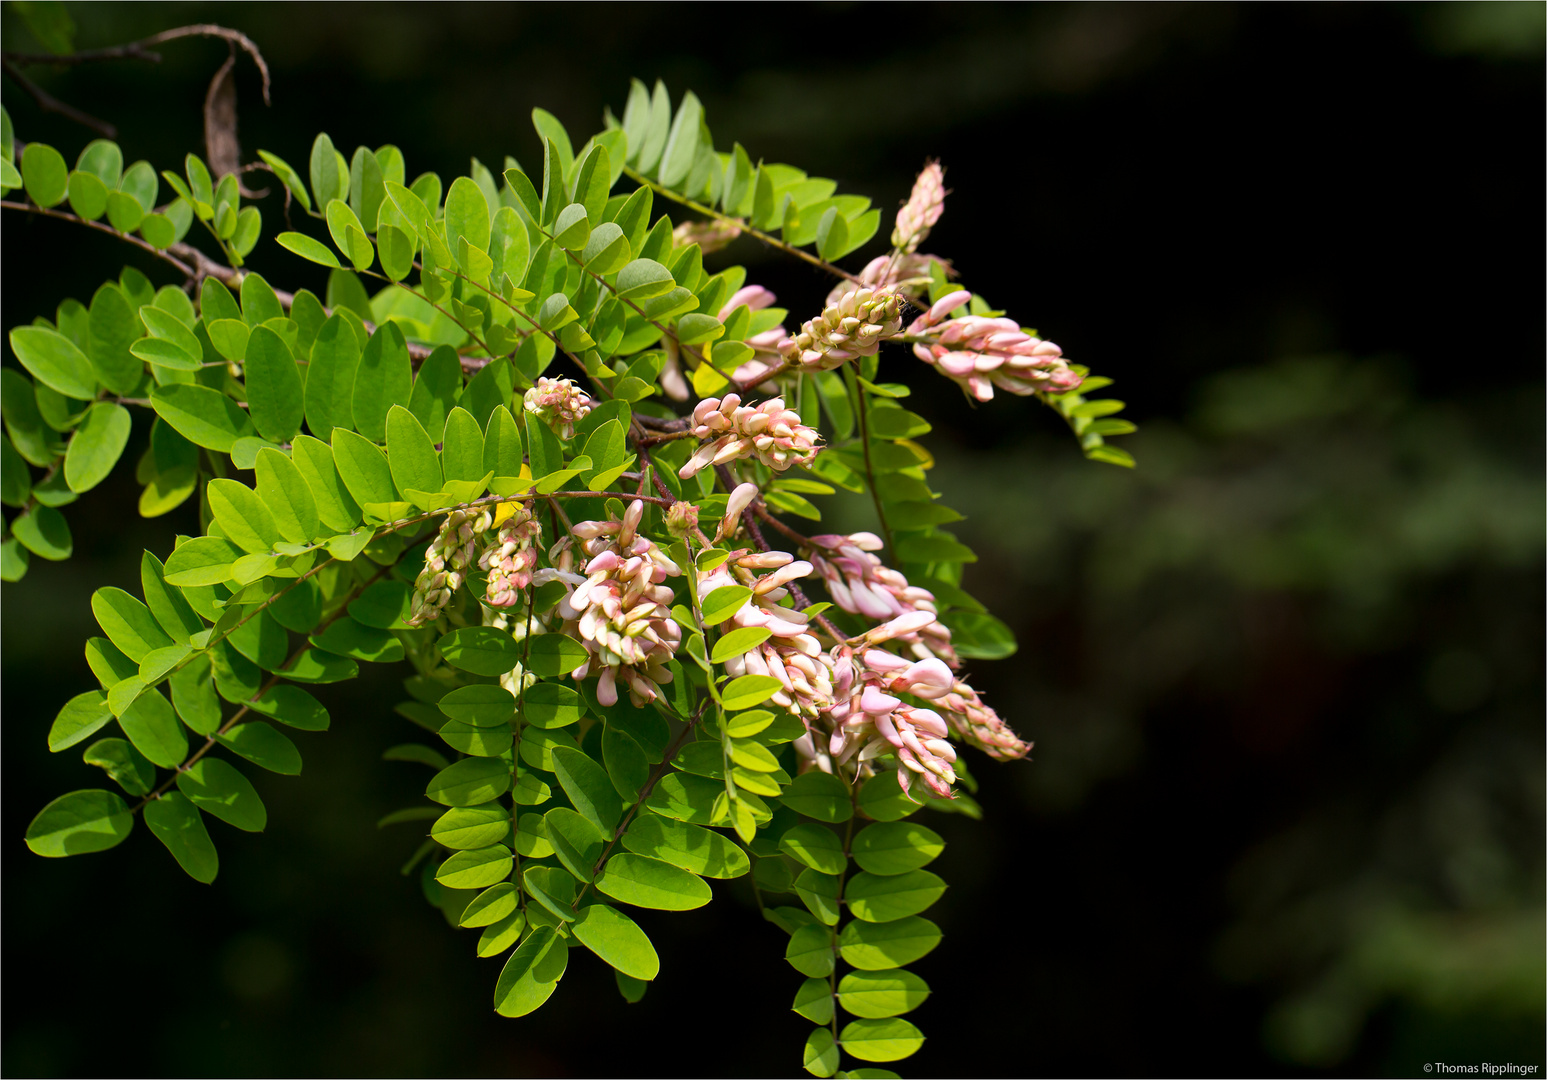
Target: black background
[1186,198]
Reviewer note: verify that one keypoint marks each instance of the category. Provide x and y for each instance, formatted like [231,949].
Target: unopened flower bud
[559,403]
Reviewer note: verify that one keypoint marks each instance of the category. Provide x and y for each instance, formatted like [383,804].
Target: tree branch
[50,104]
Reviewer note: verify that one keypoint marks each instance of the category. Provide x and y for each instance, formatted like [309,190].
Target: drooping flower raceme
[559,403]
[922,209]
[853,327]
[445,563]
[860,583]
[868,720]
[770,431]
[792,653]
[980,725]
[512,555]
[980,353]
[620,610]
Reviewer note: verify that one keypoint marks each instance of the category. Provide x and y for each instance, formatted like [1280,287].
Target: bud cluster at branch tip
[770,431]
[446,562]
[853,327]
[922,209]
[560,404]
[980,353]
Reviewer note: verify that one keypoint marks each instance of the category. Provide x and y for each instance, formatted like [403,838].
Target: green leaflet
[129,624]
[881,1040]
[411,455]
[275,398]
[242,516]
[588,787]
[330,378]
[284,490]
[816,847]
[879,946]
[469,827]
[690,847]
[646,882]
[78,823]
[470,782]
[217,788]
[152,727]
[98,443]
[481,650]
[819,795]
[615,938]
[262,745]
[82,716]
[529,976]
[384,378]
[895,847]
[879,899]
[336,508]
[201,415]
[54,361]
[176,822]
[575,840]
[879,994]
[477,868]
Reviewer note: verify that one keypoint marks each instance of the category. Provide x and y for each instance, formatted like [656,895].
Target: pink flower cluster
[980,725]
[922,210]
[980,353]
[869,720]
[792,653]
[511,557]
[852,327]
[621,610]
[770,431]
[862,584]
[559,403]
[445,563]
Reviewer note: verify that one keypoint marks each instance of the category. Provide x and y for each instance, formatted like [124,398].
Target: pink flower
[792,653]
[979,353]
[854,326]
[621,610]
[771,432]
[446,562]
[860,583]
[980,725]
[559,403]
[511,558]
[869,720]
[922,209]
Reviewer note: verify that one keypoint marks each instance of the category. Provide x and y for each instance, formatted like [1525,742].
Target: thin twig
[165,256]
[50,104]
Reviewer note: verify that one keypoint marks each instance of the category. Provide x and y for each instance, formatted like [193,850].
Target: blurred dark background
[1285,814]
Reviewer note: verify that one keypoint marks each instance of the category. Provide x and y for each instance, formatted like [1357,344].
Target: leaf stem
[709,211]
[862,410]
